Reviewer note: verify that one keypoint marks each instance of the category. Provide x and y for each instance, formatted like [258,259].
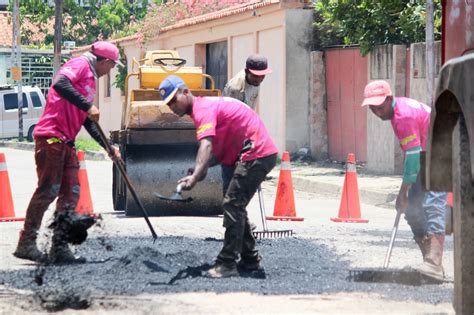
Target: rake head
[272,234]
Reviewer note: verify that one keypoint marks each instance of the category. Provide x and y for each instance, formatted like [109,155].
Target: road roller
[159,147]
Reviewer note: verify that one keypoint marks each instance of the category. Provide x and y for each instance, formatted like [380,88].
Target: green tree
[368,23]
[86,21]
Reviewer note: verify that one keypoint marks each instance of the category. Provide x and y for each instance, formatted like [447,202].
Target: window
[11,101]
[36,100]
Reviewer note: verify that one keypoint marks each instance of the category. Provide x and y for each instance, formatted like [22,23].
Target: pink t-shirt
[231,122]
[60,118]
[410,122]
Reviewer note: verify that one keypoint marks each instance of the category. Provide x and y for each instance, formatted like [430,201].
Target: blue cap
[169,87]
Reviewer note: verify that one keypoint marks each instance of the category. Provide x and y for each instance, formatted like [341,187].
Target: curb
[366,196]
[30,146]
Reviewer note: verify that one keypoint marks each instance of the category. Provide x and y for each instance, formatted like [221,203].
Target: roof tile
[233,10]
[6,26]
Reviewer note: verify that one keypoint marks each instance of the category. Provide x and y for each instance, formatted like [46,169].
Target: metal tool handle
[121,167]
[392,240]
[262,208]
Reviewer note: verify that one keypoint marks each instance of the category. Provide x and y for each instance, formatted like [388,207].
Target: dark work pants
[227,173]
[57,169]
[238,238]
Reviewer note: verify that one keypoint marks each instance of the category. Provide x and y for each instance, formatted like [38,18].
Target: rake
[268,233]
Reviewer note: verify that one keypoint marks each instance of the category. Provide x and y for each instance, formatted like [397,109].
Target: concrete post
[430,58]
[318,109]
[387,62]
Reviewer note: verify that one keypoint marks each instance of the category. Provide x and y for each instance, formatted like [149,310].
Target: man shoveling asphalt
[424,210]
[68,108]
[223,126]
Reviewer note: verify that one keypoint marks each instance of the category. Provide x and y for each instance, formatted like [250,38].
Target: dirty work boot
[60,253]
[247,265]
[432,265]
[423,243]
[27,248]
[220,270]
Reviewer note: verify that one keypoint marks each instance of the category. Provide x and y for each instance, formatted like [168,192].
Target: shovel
[176,196]
[384,274]
[406,276]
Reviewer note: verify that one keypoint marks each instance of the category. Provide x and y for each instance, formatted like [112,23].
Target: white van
[33,107]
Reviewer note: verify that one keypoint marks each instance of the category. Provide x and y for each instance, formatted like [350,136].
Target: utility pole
[58,22]
[430,60]
[16,64]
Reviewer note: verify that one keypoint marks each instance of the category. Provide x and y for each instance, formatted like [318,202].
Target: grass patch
[87,145]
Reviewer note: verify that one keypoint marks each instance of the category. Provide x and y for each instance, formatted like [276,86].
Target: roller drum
[157,168]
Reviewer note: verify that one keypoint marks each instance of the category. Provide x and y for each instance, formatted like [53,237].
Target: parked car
[33,107]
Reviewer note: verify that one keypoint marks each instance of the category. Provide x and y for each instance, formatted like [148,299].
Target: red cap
[106,50]
[257,65]
[376,92]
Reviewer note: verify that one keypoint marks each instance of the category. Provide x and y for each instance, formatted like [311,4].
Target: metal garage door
[216,63]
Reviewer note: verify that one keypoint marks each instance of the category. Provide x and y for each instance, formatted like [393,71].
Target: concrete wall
[418,70]
[271,106]
[187,53]
[384,155]
[318,136]
[241,47]
[3,69]
[299,30]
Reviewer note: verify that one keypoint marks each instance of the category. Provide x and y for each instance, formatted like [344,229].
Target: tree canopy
[86,20]
[368,23]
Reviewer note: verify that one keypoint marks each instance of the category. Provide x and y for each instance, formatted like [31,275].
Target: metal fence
[37,68]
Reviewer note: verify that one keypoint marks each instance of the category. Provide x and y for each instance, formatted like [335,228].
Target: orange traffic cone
[349,210]
[450,201]
[84,205]
[7,211]
[284,209]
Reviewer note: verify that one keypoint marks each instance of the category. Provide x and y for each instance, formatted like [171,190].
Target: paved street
[127,273]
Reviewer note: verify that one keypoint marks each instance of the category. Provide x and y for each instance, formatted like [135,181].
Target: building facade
[220,42]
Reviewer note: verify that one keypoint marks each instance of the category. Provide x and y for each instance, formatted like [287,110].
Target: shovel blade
[175,197]
[405,276]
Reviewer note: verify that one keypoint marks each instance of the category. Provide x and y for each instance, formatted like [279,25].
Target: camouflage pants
[57,169]
[238,238]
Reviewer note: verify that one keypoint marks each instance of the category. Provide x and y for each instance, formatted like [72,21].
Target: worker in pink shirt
[68,108]
[231,133]
[424,210]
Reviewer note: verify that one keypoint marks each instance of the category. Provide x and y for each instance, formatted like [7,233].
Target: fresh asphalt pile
[129,266]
